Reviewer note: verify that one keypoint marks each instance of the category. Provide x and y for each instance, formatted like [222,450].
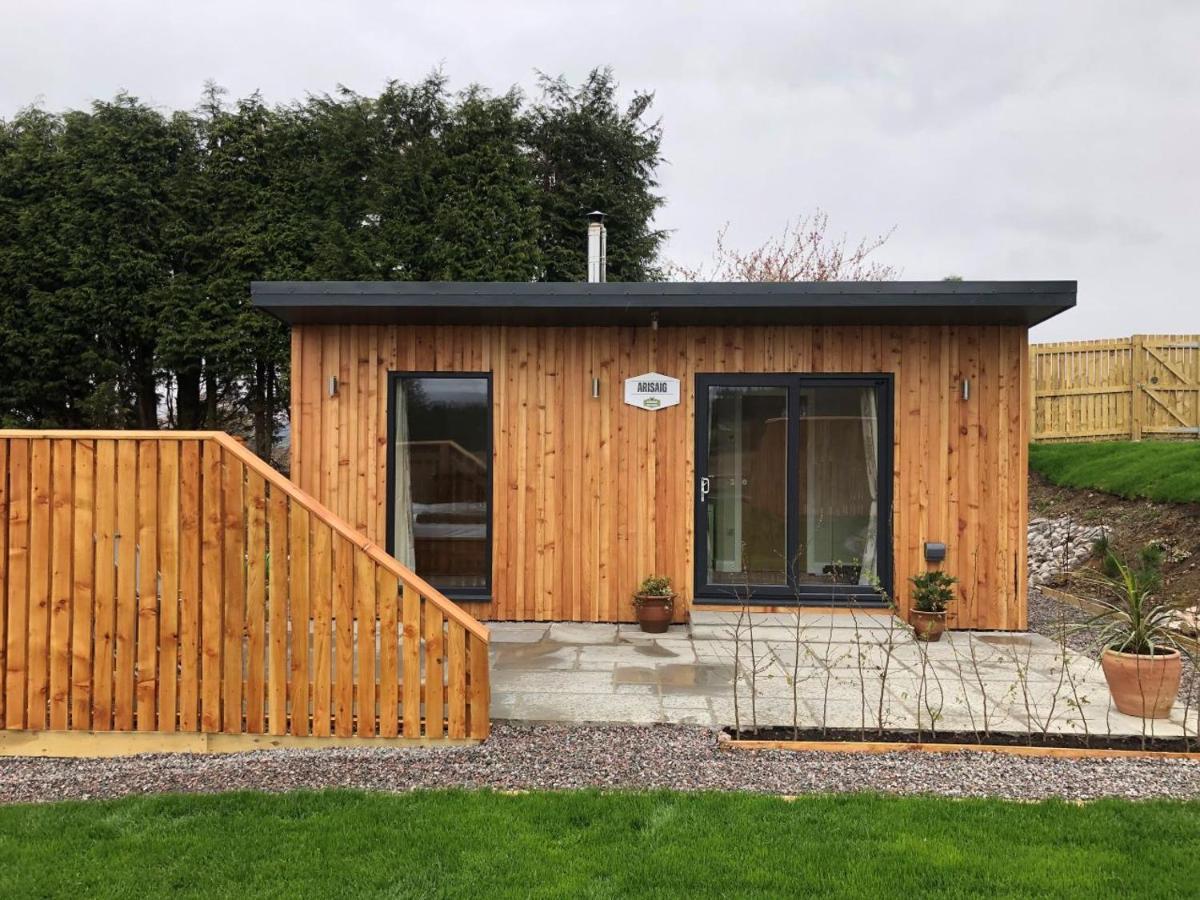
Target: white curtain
[402,547]
[870,433]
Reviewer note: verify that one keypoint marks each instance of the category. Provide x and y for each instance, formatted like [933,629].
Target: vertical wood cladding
[591,495]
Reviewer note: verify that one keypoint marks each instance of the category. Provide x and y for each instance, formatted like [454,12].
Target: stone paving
[590,673]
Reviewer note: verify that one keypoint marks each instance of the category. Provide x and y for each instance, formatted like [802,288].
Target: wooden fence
[174,583]
[1145,386]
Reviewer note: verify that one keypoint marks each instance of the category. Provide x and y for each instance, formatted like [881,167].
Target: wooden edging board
[119,743]
[899,747]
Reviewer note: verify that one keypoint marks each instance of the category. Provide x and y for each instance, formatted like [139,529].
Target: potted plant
[1139,651]
[655,604]
[932,593]
[842,573]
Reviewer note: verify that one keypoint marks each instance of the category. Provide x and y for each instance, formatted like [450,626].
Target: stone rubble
[1058,545]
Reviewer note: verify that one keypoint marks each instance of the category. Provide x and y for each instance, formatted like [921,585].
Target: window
[440,479]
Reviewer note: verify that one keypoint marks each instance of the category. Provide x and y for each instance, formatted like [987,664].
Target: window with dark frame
[440,479]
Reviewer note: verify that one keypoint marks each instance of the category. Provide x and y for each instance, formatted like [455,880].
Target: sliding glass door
[791,503]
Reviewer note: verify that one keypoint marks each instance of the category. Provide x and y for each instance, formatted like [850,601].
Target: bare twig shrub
[889,651]
[962,682]
[739,624]
[862,675]
[1076,702]
[1022,673]
[804,251]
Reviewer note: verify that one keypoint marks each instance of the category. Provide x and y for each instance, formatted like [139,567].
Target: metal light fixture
[333,385]
[966,388]
[595,388]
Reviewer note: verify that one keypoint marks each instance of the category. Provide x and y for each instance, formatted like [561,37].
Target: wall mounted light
[333,385]
[595,388]
[966,388]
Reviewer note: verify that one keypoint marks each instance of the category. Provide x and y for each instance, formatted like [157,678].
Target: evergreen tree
[589,155]
[129,237]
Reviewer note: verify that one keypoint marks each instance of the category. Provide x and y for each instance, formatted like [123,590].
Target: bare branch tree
[804,251]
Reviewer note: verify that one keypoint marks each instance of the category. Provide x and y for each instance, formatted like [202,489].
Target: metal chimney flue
[597,248]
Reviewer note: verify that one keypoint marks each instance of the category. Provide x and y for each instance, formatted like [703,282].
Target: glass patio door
[790,505]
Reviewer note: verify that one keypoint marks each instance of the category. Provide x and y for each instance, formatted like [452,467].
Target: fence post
[1137,377]
[1031,381]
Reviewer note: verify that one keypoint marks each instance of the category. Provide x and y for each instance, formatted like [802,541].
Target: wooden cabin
[536,450]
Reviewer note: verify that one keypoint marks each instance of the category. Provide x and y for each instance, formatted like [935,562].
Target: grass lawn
[600,845]
[1154,470]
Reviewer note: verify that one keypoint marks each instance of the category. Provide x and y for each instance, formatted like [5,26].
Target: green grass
[1154,470]
[464,844]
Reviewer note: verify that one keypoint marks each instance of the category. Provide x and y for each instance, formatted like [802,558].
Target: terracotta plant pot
[1143,686]
[927,626]
[654,612]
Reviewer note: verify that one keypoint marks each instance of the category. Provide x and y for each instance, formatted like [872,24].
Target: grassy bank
[1153,470]
[600,845]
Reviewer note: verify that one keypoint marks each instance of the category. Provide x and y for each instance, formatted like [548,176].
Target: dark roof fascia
[675,303]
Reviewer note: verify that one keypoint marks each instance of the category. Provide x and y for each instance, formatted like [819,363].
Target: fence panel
[1145,386]
[173,583]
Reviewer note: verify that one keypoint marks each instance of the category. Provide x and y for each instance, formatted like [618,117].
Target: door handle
[704,488]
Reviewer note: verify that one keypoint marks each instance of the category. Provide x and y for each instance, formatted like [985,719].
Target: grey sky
[1004,140]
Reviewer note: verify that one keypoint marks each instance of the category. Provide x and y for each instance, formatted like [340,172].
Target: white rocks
[1059,545]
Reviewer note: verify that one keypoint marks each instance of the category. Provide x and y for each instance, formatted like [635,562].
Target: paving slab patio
[823,669]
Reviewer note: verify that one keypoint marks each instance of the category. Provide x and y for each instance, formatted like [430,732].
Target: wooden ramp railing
[172,582]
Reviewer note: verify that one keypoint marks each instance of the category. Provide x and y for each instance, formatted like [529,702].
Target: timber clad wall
[592,495]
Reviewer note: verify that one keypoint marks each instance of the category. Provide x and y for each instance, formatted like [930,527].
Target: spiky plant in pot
[1139,647]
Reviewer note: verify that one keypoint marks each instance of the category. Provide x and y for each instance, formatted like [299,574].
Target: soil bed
[1135,743]
[1131,525]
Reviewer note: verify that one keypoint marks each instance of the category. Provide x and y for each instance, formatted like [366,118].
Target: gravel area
[1048,616]
[627,757]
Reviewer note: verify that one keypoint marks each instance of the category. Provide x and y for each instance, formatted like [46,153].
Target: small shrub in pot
[654,603]
[932,593]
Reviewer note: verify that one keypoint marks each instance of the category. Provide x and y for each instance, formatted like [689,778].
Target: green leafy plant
[1132,618]
[1152,559]
[656,586]
[933,591]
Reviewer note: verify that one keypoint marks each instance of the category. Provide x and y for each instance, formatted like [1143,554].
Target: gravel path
[632,757]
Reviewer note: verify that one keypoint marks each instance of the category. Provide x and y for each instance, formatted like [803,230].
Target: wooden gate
[1146,386]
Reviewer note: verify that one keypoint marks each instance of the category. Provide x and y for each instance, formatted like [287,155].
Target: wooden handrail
[406,575]
[87,434]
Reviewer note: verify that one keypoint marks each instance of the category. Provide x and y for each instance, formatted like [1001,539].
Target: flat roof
[674,303]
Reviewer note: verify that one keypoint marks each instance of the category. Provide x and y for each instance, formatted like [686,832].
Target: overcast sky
[1003,140]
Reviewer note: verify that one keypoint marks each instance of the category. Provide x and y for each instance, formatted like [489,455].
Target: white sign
[652,391]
